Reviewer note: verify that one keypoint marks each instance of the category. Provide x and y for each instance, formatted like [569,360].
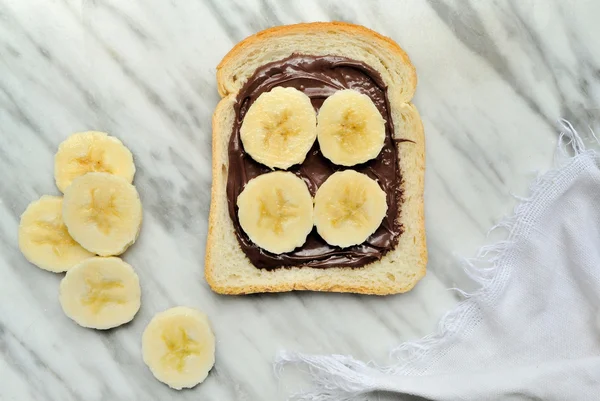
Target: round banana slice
[91,151]
[350,129]
[100,293]
[178,346]
[103,213]
[44,239]
[349,207]
[279,128]
[276,211]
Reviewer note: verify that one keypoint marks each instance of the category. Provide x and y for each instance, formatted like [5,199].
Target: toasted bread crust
[309,28]
[341,279]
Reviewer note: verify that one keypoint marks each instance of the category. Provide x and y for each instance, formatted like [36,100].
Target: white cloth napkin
[532,332]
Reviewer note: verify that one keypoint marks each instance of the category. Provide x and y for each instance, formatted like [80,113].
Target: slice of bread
[227,269]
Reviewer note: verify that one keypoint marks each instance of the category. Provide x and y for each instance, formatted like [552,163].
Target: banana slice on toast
[349,207]
[276,211]
[350,129]
[279,128]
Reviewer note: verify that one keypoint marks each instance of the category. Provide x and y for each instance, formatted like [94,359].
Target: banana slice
[279,128]
[276,211]
[100,293]
[349,207]
[350,129]
[91,151]
[178,346]
[103,213]
[44,239]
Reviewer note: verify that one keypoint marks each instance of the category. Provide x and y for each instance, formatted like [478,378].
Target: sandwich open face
[318,165]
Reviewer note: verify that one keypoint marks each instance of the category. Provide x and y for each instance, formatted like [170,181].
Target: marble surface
[494,76]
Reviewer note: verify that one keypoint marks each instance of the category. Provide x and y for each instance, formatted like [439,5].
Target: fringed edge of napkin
[343,378]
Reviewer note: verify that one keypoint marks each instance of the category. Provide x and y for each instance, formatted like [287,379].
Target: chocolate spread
[318,77]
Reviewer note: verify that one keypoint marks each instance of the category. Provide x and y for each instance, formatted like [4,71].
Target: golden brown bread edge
[311,28]
[400,269]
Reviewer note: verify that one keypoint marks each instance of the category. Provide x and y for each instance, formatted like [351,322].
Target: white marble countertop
[493,79]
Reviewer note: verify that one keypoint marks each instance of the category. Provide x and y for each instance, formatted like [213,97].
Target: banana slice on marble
[276,211]
[44,239]
[91,151]
[103,213]
[279,128]
[349,207]
[178,346]
[350,129]
[100,293]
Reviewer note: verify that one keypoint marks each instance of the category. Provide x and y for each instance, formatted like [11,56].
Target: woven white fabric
[532,332]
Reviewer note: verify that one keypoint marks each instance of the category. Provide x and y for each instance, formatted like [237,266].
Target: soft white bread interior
[227,269]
